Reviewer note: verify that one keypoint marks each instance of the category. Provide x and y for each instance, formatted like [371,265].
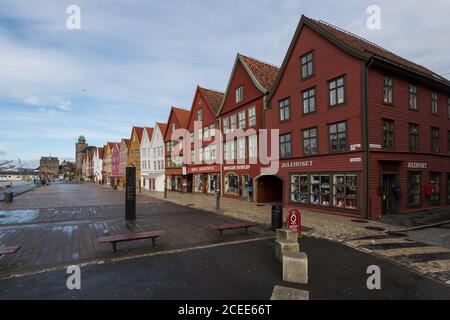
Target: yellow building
[134,152]
[107,162]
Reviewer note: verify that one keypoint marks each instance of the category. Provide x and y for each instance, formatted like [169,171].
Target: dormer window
[239,94]
[307,65]
[199,115]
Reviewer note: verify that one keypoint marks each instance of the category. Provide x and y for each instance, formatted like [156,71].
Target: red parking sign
[294,221]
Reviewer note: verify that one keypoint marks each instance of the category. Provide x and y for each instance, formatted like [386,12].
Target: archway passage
[270,189]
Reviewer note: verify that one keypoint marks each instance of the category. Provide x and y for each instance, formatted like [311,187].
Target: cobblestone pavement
[59,224]
[422,254]
[423,218]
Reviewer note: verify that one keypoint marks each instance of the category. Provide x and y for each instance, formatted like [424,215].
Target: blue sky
[132,60]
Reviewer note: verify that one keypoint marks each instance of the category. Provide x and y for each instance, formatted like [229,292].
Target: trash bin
[9,196]
[277,216]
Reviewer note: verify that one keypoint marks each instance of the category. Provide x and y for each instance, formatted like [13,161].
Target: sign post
[294,221]
[130,194]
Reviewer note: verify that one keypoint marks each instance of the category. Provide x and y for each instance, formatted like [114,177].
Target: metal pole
[165,187]
[218,199]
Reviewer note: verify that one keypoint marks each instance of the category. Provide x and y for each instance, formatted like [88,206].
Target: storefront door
[390,202]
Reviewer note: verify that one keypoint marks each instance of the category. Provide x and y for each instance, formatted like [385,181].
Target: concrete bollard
[295,267]
[284,293]
[286,234]
[285,246]
[9,196]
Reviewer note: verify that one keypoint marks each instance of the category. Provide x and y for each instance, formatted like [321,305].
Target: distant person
[250,189]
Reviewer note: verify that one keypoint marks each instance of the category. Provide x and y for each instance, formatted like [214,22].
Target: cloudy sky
[132,59]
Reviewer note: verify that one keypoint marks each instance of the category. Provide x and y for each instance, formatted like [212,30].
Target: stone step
[286,234]
[285,293]
[295,267]
[285,246]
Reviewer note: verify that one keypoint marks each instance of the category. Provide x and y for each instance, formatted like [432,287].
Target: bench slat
[9,250]
[131,236]
[233,225]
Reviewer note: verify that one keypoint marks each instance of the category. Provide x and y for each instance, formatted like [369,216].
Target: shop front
[174,179]
[205,178]
[238,181]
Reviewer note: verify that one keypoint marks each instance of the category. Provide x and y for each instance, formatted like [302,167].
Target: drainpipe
[219,148]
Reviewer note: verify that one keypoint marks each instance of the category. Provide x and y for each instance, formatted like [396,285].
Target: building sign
[375,146]
[130,194]
[297,164]
[240,167]
[353,147]
[294,220]
[204,169]
[355,160]
[417,165]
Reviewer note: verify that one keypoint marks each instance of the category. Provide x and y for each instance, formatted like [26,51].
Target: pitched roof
[162,127]
[366,46]
[264,72]
[100,153]
[139,132]
[213,97]
[127,142]
[182,116]
[149,132]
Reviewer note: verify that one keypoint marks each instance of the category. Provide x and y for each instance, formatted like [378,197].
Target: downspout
[219,147]
[364,85]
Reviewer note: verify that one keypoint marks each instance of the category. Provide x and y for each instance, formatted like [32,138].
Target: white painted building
[152,158]
[98,163]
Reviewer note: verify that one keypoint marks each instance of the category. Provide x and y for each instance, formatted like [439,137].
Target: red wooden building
[242,108]
[203,171]
[176,179]
[363,132]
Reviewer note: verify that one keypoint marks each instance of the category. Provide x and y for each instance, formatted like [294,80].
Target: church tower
[80,150]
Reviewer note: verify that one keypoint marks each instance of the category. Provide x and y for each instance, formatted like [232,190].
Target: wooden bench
[230,226]
[130,237]
[9,250]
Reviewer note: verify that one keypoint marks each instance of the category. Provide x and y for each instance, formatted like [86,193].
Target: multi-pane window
[169,146]
[192,137]
[345,191]
[412,97]
[388,134]
[414,189]
[387,90]
[336,91]
[242,148]
[252,116]
[413,137]
[206,132]
[307,65]
[310,141]
[200,134]
[241,116]
[213,151]
[285,145]
[226,124]
[239,94]
[253,146]
[309,100]
[212,130]
[435,181]
[207,153]
[233,122]
[434,103]
[300,188]
[320,189]
[174,126]
[284,109]
[338,137]
[434,140]
[199,115]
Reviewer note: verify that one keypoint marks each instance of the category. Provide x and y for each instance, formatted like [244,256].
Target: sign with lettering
[354,160]
[375,146]
[417,165]
[212,168]
[294,221]
[297,164]
[240,167]
[130,194]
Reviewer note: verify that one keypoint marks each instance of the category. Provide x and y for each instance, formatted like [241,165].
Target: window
[241,116]
[320,189]
[233,122]
[226,124]
[413,97]
[309,101]
[231,183]
[212,130]
[200,134]
[435,181]
[414,189]
[200,154]
[434,140]
[338,137]
[213,152]
[285,146]
[310,141]
[413,137]
[193,156]
[337,92]
[448,187]
[206,133]
[169,146]
[174,126]
[284,109]
[388,135]
[253,146]
[239,94]
[207,153]
[307,65]
[300,188]
[199,115]
[345,191]
[252,116]
[242,148]
[192,137]
[230,150]
[434,104]
[387,90]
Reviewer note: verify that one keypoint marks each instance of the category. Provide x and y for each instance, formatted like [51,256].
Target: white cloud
[32,100]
